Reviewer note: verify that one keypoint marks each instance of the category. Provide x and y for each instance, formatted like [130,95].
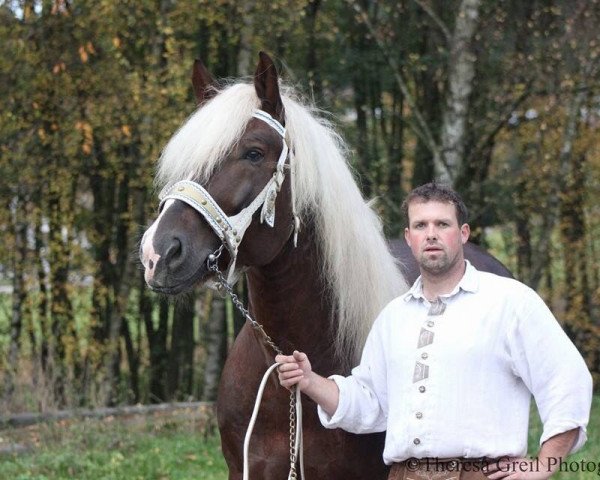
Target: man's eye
[253,155]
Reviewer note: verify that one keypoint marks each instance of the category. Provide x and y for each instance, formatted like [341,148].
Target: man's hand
[295,370]
[552,452]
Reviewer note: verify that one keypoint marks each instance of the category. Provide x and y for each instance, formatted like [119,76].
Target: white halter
[231,229]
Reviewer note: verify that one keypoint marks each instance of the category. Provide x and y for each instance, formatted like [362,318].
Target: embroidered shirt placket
[421,372]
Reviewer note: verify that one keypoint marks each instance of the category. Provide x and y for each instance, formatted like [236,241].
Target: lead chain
[213,267]
[293,474]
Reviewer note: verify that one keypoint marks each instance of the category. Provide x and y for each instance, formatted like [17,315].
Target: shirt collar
[468,283]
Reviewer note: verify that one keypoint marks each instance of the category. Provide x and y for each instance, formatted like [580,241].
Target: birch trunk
[461,71]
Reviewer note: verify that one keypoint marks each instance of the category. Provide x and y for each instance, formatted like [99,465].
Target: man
[449,368]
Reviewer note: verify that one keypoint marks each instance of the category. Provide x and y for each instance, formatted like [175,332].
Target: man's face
[435,237]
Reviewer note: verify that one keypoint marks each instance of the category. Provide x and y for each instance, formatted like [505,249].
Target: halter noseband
[230,230]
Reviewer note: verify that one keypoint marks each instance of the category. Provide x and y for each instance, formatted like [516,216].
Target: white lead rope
[298,444]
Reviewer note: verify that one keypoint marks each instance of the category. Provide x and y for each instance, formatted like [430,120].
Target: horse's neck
[289,298]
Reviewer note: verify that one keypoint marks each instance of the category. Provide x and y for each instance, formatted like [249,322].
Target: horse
[317,265]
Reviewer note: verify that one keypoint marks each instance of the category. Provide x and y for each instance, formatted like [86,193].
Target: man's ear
[406,236]
[203,83]
[465,233]
[267,88]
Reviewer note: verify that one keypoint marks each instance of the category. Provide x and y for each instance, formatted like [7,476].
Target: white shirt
[465,392]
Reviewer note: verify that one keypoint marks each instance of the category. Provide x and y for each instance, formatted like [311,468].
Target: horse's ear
[267,88]
[204,85]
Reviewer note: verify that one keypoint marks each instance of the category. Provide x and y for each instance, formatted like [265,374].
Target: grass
[113,450]
[173,447]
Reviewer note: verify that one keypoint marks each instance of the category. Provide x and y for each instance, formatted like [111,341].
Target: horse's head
[230,199]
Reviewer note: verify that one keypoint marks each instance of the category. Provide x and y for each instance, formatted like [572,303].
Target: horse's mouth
[202,275]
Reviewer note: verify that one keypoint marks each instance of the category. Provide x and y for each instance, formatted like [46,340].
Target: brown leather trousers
[439,469]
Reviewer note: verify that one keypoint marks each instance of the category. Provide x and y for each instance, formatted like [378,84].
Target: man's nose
[431,232]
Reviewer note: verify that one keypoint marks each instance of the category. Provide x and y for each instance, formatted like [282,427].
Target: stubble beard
[439,265]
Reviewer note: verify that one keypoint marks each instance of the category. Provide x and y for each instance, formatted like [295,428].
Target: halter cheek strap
[231,230]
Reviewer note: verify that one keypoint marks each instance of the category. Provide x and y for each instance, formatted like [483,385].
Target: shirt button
[416,441]
[424,356]
[422,389]
[419,415]
[430,323]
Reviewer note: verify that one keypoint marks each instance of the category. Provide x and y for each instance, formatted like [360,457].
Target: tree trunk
[181,354]
[157,344]
[461,71]
[577,315]
[428,100]
[62,326]
[133,360]
[312,68]
[19,292]
[244,61]
[216,348]
[558,186]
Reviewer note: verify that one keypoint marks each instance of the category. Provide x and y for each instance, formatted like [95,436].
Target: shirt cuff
[561,427]
[334,421]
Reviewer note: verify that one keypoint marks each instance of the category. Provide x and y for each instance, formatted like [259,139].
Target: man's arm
[556,448]
[296,370]
[553,451]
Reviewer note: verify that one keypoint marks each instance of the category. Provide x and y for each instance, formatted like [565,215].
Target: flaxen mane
[361,274]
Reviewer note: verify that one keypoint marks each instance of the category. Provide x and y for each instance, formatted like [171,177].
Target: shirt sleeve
[549,364]
[362,406]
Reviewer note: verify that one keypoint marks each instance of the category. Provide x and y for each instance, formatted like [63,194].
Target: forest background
[500,98]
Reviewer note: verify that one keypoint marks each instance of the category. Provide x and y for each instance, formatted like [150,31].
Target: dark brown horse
[319,297]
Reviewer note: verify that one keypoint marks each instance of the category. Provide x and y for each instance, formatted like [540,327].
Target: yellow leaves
[59,67]
[88,138]
[83,54]
[116,41]
[85,51]
[126,130]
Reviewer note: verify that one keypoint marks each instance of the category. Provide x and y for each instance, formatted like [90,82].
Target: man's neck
[435,285]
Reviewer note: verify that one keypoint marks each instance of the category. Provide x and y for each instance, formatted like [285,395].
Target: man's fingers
[287,367]
[291,374]
[289,379]
[284,358]
[299,356]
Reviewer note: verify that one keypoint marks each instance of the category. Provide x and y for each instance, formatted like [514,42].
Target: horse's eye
[253,155]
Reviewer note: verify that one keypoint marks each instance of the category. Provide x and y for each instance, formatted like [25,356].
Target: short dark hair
[439,193]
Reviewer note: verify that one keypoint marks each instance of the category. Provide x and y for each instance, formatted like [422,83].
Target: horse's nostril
[174,249]
[150,264]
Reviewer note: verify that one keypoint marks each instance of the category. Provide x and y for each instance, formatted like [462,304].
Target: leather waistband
[456,468]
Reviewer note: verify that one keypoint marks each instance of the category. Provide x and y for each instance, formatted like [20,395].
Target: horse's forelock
[203,141]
